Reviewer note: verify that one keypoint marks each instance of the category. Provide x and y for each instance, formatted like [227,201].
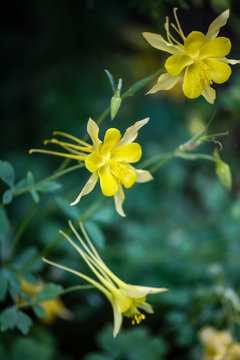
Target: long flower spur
[126,300]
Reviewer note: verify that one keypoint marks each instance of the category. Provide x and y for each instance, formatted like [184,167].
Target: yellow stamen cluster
[138,319]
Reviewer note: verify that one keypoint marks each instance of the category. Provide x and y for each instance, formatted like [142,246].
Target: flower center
[134,314]
[204,74]
[125,174]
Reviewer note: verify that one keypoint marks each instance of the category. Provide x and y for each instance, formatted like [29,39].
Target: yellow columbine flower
[219,345]
[108,160]
[126,300]
[198,61]
[53,308]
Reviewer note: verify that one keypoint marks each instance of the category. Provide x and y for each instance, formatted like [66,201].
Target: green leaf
[39,311]
[50,291]
[111,80]
[7,173]
[24,296]
[4,225]
[23,322]
[3,284]
[7,196]
[95,234]
[49,186]
[8,318]
[25,257]
[25,348]
[21,184]
[15,285]
[31,181]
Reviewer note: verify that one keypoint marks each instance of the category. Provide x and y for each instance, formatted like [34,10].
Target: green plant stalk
[20,232]
[63,292]
[49,178]
[88,214]
[180,154]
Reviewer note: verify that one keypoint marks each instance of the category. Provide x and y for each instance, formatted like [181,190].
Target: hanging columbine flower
[108,160]
[126,300]
[198,61]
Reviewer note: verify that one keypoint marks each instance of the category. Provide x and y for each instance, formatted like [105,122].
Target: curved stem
[49,178]
[21,230]
[63,292]
[88,214]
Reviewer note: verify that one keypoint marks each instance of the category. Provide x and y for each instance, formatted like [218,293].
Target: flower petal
[218,70]
[215,26]
[119,199]
[89,186]
[146,307]
[125,173]
[111,139]
[129,177]
[194,42]
[165,82]
[108,182]
[215,48]
[94,161]
[143,176]
[158,42]
[129,153]
[117,318]
[135,291]
[176,63]
[93,131]
[192,86]
[132,132]
[209,94]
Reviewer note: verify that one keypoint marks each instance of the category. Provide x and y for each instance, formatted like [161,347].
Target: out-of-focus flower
[108,160]
[53,308]
[126,300]
[218,345]
[199,61]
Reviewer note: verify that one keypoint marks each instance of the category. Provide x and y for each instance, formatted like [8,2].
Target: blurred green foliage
[181,230]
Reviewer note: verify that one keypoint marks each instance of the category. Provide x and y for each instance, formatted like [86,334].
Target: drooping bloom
[126,300]
[199,60]
[219,345]
[53,308]
[108,160]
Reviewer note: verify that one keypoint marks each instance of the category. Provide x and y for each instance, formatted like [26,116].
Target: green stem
[178,154]
[164,161]
[50,178]
[63,292]
[21,231]
[187,156]
[88,214]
